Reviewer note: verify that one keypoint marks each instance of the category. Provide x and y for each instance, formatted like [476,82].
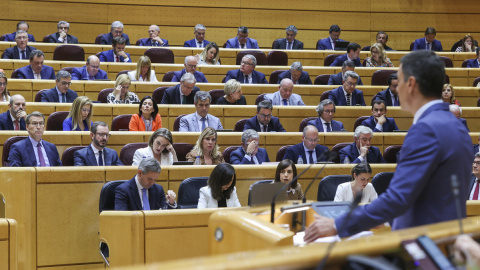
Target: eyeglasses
[265,115]
[351,84]
[476,163]
[329,112]
[95,67]
[39,124]
[191,66]
[66,83]
[21,38]
[312,140]
[101,135]
[63,27]
[117,32]
[246,63]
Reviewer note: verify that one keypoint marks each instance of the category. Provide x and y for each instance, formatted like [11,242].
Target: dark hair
[36,53]
[428,70]
[383,33]
[361,168]
[161,132]
[243,29]
[430,30]
[222,175]
[334,28]
[392,77]
[95,125]
[353,47]
[477,50]
[155,107]
[22,22]
[283,165]
[264,104]
[379,101]
[118,40]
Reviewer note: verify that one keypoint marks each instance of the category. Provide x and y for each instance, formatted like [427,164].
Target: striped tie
[349,99]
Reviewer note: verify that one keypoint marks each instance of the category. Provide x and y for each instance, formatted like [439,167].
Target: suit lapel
[107,158]
[16,52]
[9,121]
[135,195]
[91,157]
[320,125]
[152,197]
[32,158]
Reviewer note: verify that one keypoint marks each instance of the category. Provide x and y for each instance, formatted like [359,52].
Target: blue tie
[146,204]
[100,158]
[328,127]
[285,102]
[203,123]
[396,100]
[64,100]
[24,55]
[310,157]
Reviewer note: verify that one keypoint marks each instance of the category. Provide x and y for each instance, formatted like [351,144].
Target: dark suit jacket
[385,96]
[108,38]
[21,154]
[337,79]
[14,52]
[465,123]
[82,74]
[107,56]
[192,43]
[128,199]
[7,124]
[338,97]
[297,150]
[51,95]
[172,95]
[335,125]
[304,78]
[324,44]
[26,72]
[274,125]
[367,48]
[281,44]
[148,42]
[472,63]
[470,186]
[475,149]
[257,76]
[338,62]
[374,155]
[86,157]
[53,38]
[420,44]
[238,156]
[177,76]
[388,126]
[251,43]
[11,37]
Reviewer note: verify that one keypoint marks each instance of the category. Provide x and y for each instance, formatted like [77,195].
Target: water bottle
[197,161]
[300,160]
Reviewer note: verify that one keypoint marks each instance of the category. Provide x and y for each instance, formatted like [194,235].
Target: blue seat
[189,191]
[328,186]
[107,195]
[381,181]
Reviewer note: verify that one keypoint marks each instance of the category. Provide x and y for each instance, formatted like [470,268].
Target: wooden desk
[8,244]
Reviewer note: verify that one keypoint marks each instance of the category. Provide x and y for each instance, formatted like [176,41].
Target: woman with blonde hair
[206,148]
[121,94]
[467,44]
[233,94]
[5,96]
[378,58]
[448,94]
[144,72]
[79,118]
[159,147]
[210,55]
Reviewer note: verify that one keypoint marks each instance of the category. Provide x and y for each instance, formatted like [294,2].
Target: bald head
[93,65]
[286,88]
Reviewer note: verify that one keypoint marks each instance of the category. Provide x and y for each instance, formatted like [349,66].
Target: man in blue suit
[22,50]
[60,93]
[190,67]
[154,39]
[116,30]
[347,95]
[247,72]
[389,95]
[97,153]
[285,96]
[20,26]
[91,71]
[428,42]
[325,122]
[309,151]
[33,151]
[200,119]
[296,74]
[329,43]
[182,93]
[457,111]
[242,41]
[141,192]
[361,150]
[337,79]
[199,41]
[249,152]
[473,63]
[353,51]
[379,122]
[288,43]
[62,35]
[474,185]
[36,69]
[420,192]
[14,117]
[117,53]
[264,121]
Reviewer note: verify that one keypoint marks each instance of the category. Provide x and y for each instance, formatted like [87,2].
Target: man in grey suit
[285,96]
[200,119]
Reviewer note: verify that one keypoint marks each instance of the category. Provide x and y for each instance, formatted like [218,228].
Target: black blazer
[53,38]
[7,124]
[128,199]
[51,95]
[274,125]
[14,52]
[172,95]
[281,44]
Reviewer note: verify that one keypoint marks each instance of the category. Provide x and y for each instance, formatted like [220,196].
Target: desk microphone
[456,194]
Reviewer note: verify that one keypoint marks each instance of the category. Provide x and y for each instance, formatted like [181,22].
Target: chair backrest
[6,147]
[121,122]
[55,121]
[127,152]
[274,76]
[176,123]
[261,182]
[228,151]
[216,94]
[168,76]
[107,195]
[329,59]
[328,186]
[364,63]
[275,42]
[240,125]
[14,73]
[447,79]
[182,149]
[122,72]
[322,79]
[2,37]
[359,121]
[465,63]
[69,52]
[38,96]
[67,156]
[45,39]
[260,98]
[98,39]
[224,45]
[189,191]
[102,96]
[411,45]
[447,61]
[390,153]
[160,55]
[158,94]
[281,153]
[324,95]
[69,69]
[380,77]
[304,122]
[138,42]
[259,55]
[336,148]
[381,181]
[277,58]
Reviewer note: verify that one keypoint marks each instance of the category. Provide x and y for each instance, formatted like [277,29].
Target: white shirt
[249,78]
[345,193]
[392,96]
[473,190]
[199,45]
[332,43]
[422,109]
[97,153]
[36,76]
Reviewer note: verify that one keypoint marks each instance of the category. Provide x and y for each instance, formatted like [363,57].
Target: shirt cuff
[60,39]
[174,205]
[379,127]
[126,59]
[249,158]
[361,158]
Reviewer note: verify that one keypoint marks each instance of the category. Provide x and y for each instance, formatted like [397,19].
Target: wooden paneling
[8,244]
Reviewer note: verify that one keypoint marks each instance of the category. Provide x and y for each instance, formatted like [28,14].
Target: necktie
[200,44]
[310,157]
[17,125]
[24,55]
[429,46]
[264,128]
[100,158]
[242,46]
[156,43]
[334,43]
[64,99]
[289,46]
[40,155]
[284,102]
[475,193]
[184,99]
[146,204]
[396,100]
[117,58]
[246,79]
[349,99]
[329,129]
[203,122]
[91,78]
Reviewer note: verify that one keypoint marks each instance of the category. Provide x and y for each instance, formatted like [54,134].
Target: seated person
[361,175]
[457,111]
[144,72]
[474,179]
[325,122]
[337,79]
[121,94]
[308,151]
[379,57]
[247,72]
[347,95]
[80,115]
[428,42]
[91,71]
[476,147]
[117,53]
[467,44]
[190,67]
[242,41]
[206,149]
[329,42]
[285,173]
[210,55]
[159,147]
[296,74]
[127,195]
[200,119]
[199,41]
[473,63]
[389,95]
[60,93]
[4,94]
[288,43]
[22,50]
[285,96]
[14,117]
[220,191]
[361,150]
[36,69]
[264,121]
[22,25]
[116,30]
[154,38]
[62,35]
[448,94]
[249,152]
[148,118]
[182,93]
[233,94]
[353,51]
[379,122]
[381,38]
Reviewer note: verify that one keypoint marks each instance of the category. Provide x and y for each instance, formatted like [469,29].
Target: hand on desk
[321,227]
[467,250]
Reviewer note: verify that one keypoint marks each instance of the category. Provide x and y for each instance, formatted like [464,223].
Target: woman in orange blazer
[148,118]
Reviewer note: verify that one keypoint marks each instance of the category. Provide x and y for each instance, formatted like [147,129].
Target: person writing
[361,175]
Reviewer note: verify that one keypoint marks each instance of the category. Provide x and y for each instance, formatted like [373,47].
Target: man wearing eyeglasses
[347,95]
[308,151]
[36,70]
[91,71]
[264,121]
[97,154]
[475,179]
[361,150]
[22,50]
[242,41]
[247,73]
[325,122]
[60,93]
[33,151]
[190,67]
[62,35]
[116,30]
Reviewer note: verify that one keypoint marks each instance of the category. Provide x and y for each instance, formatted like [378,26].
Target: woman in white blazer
[220,191]
[159,147]
[144,67]
[361,175]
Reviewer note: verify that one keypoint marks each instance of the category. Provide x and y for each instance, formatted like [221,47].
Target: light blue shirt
[314,155]
[45,157]
[60,97]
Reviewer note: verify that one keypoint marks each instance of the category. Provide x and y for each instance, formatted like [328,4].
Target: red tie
[17,125]
[117,58]
[475,193]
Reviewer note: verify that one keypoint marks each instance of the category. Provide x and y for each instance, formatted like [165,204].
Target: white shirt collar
[425,107]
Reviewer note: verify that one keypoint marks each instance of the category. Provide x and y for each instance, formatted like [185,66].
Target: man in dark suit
[14,117]
[116,30]
[97,153]
[390,95]
[91,71]
[337,79]
[242,41]
[381,38]
[33,151]
[182,93]
[325,122]
[62,35]
[353,51]
[288,43]
[428,159]
[309,151]
[20,26]
[60,93]
[264,121]
[141,192]
[247,72]
[428,42]
[199,41]
[347,95]
[474,185]
[190,67]
[457,111]
[36,69]
[117,53]
[296,74]
[22,50]
[473,63]
[329,43]
[154,39]
[249,152]
[361,150]
[379,122]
